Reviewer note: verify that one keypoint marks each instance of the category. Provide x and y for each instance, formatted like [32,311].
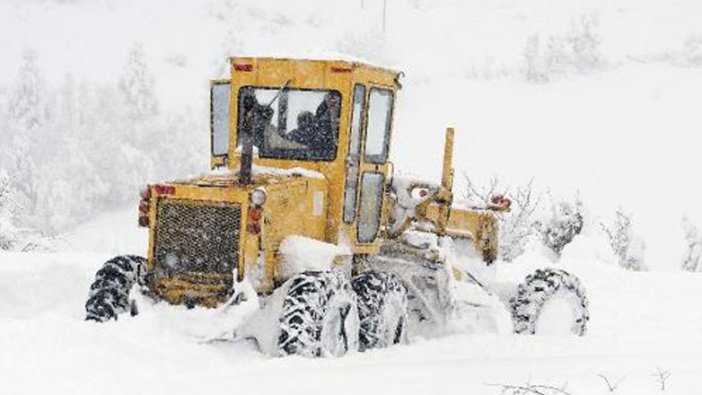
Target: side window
[378,129]
[353,159]
[219,117]
[371,203]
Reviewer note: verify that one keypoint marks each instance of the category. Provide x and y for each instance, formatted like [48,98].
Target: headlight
[258,196]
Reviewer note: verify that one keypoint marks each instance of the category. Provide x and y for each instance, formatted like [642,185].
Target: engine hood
[262,176]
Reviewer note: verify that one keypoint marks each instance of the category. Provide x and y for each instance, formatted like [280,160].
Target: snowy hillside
[594,98]
[597,102]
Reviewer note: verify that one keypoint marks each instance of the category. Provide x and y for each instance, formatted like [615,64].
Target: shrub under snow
[576,51]
[693,240]
[564,223]
[627,247]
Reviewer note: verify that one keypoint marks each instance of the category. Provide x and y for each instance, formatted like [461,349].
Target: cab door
[367,160]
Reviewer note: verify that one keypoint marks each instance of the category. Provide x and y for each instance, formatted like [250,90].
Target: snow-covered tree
[692,52]
[693,240]
[137,86]
[627,247]
[27,104]
[576,51]
[5,132]
[534,65]
[8,211]
[72,151]
[564,223]
[28,116]
[66,173]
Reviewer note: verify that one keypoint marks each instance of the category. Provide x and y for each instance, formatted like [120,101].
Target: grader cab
[300,154]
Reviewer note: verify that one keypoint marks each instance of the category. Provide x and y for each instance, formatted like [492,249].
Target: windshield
[298,124]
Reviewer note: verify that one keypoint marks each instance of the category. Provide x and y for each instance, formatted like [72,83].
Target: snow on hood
[258,170]
[302,253]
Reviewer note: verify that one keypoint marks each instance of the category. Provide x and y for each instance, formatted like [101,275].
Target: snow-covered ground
[640,322]
[626,133]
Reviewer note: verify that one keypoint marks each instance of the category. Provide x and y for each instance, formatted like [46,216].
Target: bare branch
[516,227]
[662,377]
[611,387]
[473,191]
[531,389]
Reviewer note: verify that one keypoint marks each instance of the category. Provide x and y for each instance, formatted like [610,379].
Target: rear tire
[543,288]
[319,316]
[109,293]
[382,309]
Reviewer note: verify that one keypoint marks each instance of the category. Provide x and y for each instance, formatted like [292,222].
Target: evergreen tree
[27,106]
[8,210]
[28,116]
[137,85]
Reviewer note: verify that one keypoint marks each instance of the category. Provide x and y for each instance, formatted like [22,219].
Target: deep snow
[640,322]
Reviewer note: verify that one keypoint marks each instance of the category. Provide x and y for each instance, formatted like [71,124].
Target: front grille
[194,236]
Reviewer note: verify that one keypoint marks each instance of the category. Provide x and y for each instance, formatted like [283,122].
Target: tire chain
[372,290]
[109,293]
[533,293]
[303,311]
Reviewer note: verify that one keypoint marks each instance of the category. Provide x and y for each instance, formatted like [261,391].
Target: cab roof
[338,59]
[340,65]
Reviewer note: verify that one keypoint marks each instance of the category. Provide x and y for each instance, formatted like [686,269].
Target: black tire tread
[109,293]
[536,289]
[303,311]
[374,289]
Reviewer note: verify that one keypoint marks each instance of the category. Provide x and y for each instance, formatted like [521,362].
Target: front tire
[382,309]
[535,307]
[109,293]
[319,316]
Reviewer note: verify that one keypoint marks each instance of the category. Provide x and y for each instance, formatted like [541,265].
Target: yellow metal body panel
[295,206]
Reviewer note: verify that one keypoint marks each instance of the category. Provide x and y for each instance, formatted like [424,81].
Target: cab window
[219,117]
[369,208]
[378,128]
[353,159]
[291,123]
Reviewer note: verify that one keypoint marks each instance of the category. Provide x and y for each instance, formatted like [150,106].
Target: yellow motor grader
[301,207]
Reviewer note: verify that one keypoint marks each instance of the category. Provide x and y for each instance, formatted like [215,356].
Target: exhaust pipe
[246,160]
[445,196]
[255,117]
[246,157]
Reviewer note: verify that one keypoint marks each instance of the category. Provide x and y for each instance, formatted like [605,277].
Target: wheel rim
[339,330]
[557,315]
